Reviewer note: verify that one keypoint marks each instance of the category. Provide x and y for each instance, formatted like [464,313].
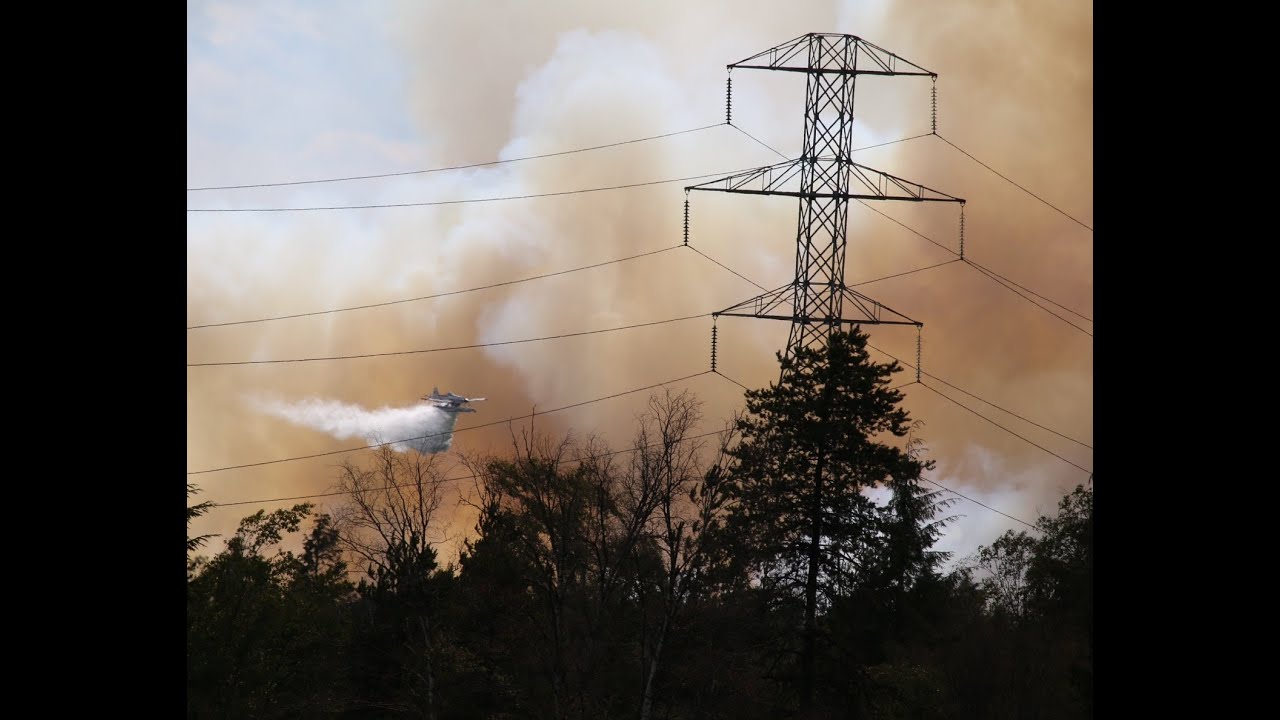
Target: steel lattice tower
[825,179]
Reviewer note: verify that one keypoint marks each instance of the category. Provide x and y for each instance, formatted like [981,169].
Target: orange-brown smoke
[506,79]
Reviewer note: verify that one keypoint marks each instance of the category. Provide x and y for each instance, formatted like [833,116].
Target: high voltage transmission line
[982,399]
[993,422]
[456,430]
[991,275]
[597,456]
[996,277]
[966,392]
[433,203]
[957,147]
[853,150]
[729,379]
[983,270]
[826,95]
[451,479]
[262,501]
[475,346]
[975,502]
[458,167]
[1011,182]
[508,282]
[619,144]
[496,162]
[515,197]
[447,349]
[1033,292]
[662,322]
[435,295]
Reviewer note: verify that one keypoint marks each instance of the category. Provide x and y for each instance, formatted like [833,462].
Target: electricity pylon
[825,179]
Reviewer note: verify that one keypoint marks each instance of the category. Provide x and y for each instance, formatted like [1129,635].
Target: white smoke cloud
[423,428]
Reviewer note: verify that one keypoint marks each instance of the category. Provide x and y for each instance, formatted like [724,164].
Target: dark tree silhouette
[266,632]
[667,580]
[811,444]
[389,526]
[193,512]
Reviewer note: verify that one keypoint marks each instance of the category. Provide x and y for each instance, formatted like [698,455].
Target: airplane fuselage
[449,402]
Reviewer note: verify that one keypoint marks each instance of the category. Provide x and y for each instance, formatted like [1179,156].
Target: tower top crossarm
[831,53]
[864,183]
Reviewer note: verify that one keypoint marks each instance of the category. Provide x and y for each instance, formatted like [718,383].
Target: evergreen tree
[811,444]
[193,512]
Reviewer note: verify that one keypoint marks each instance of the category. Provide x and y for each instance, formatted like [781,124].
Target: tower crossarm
[824,53]
[884,186]
[777,305]
[785,179]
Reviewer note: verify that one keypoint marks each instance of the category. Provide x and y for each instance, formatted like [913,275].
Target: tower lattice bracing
[824,179]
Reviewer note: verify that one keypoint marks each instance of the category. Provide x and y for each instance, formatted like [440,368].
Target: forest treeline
[745,574]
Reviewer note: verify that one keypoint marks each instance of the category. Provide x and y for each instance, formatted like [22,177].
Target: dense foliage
[747,578]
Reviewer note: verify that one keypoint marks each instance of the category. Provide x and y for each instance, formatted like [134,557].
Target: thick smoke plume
[421,428]
[321,89]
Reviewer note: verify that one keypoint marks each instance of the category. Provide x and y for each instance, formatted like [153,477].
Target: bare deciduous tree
[687,504]
[389,521]
[389,524]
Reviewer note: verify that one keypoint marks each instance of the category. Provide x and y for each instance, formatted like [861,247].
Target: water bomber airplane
[449,402]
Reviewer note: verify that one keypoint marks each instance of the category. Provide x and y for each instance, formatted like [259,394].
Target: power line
[857,284]
[744,387]
[991,274]
[513,282]
[1024,419]
[908,227]
[1033,302]
[461,202]
[503,342]
[760,142]
[1023,189]
[1033,292]
[437,295]
[457,430]
[944,247]
[263,501]
[864,203]
[446,349]
[935,377]
[735,382]
[908,272]
[993,422]
[735,272]
[854,150]
[448,479]
[966,497]
[891,142]
[981,399]
[455,167]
